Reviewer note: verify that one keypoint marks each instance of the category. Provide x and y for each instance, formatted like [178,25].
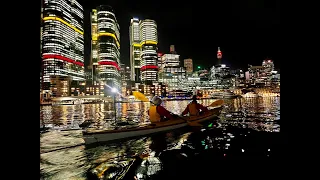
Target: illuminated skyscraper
[172,49]
[149,56]
[171,60]
[219,55]
[62,40]
[108,48]
[143,50]
[135,49]
[188,65]
[268,66]
[172,72]
[160,62]
[94,50]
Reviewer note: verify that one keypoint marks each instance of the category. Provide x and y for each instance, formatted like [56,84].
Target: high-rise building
[94,37]
[149,56]
[219,55]
[171,60]
[135,49]
[108,49]
[62,45]
[187,63]
[161,65]
[143,50]
[256,74]
[94,50]
[268,66]
[41,32]
[125,79]
[172,49]
[160,62]
[172,72]
[125,73]
[220,71]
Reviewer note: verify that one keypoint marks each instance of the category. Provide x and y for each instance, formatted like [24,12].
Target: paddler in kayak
[194,108]
[158,113]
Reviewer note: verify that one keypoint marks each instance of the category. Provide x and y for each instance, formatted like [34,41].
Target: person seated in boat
[194,108]
[158,113]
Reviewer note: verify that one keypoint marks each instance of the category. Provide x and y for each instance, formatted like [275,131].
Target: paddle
[140,96]
[218,102]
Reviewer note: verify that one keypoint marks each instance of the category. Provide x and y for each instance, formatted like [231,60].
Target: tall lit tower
[94,50]
[149,57]
[135,49]
[268,65]
[62,40]
[219,55]
[108,48]
[188,65]
[172,49]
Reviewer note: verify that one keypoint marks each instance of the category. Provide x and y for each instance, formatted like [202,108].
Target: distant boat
[224,95]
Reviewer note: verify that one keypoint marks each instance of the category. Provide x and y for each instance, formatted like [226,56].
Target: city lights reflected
[146,156]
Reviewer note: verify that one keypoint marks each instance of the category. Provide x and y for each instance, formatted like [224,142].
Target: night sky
[247,31]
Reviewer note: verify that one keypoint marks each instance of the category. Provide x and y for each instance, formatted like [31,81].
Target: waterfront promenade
[264,92]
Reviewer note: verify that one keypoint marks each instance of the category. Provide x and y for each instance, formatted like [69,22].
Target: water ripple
[63,155]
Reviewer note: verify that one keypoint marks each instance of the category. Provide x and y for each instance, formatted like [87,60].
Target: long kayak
[95,136]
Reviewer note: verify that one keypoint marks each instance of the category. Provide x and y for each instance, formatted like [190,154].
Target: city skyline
[243,38]
[156,89]
[234,54]
[159,72]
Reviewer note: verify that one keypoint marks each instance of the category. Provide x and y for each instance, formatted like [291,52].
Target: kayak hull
[96,136]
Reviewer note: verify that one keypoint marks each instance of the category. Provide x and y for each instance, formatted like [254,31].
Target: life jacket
[193,111]
[153,114]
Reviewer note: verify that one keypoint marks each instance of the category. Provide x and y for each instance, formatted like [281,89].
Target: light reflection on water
[63,155]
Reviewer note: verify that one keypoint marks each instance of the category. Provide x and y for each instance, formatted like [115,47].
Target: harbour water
[247,129]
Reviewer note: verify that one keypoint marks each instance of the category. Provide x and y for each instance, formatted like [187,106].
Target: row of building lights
[62,52]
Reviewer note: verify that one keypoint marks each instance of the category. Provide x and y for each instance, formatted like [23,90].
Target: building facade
[160,62]
[108,50]
[219,55]
[153,89]
[135,49]
[187,63]
[62,85]
[143,50]
[255,75]
[268,67]
[149,48]
[261,75]
[62,41]
[172,72]
[94,50]
[172,49]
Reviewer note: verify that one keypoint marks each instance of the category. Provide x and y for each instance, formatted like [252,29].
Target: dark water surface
[246,132]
